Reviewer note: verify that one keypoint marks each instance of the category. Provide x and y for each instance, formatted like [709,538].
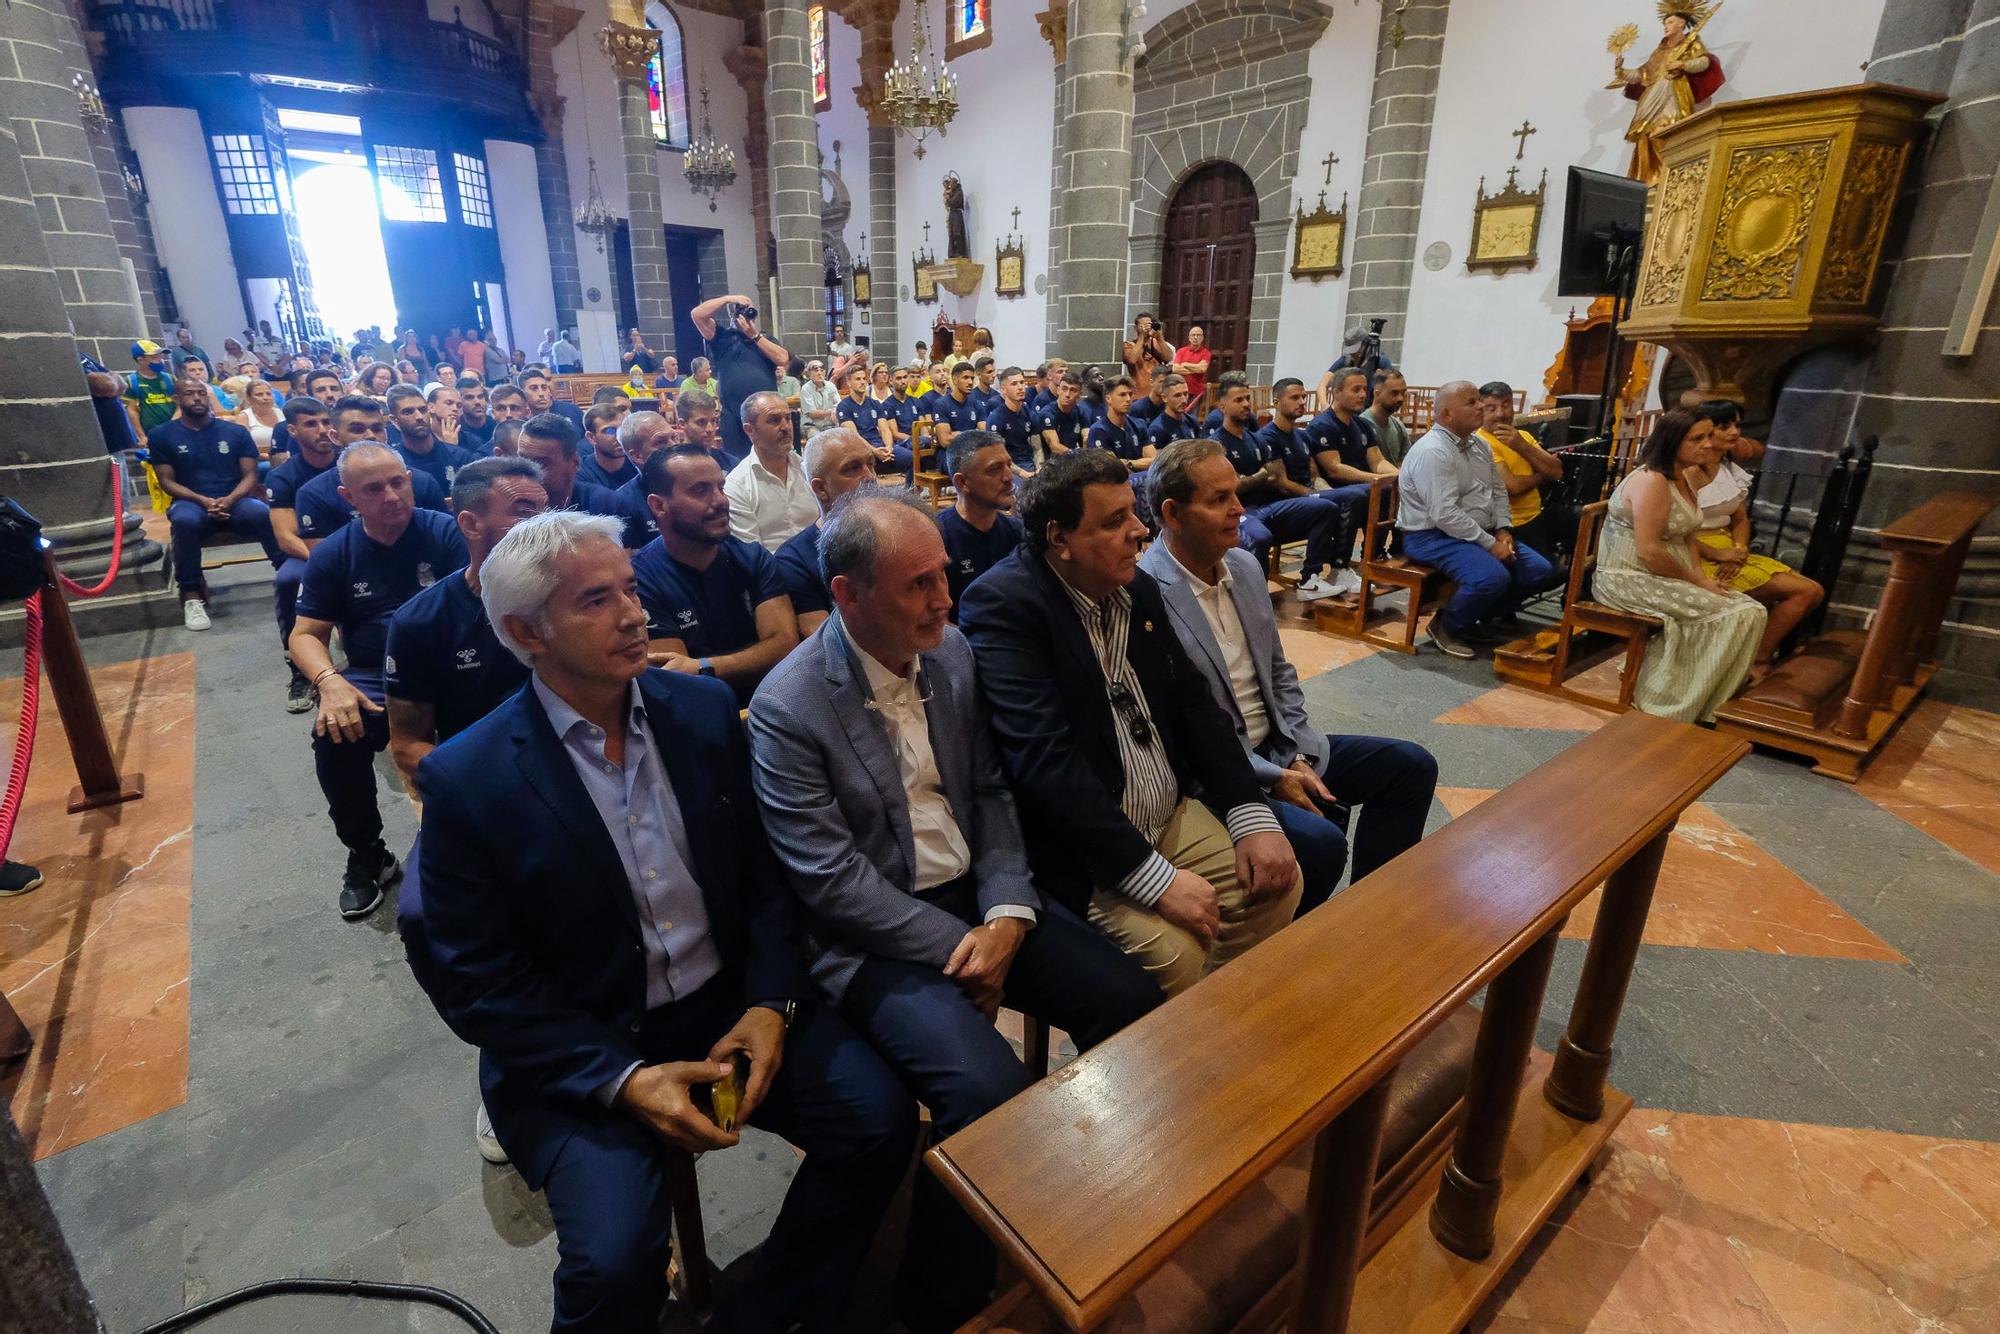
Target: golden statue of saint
[1677,78]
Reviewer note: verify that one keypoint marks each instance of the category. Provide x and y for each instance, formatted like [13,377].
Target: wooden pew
[1590,631]
[1838,699]
[1382,574]
[1133,1186]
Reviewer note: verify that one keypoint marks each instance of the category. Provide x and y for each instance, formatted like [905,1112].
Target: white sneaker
[1315,588]
[482,1135]
[194,614]
[1346,581]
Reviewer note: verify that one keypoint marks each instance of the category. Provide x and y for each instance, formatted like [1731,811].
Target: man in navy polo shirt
[1051,373]
[701,424]
[322,510]
[978,529]
[641,435]
[355,581]
[985,396]
[836,461]
[1344,449]
[552,443]
[1116,431]
[1278,506]
[746,362]
[952,408]
[313,454]
[324,387]
[1061,426]
[209,467]
[860,413]
[1013,422]
[540,391]
[417,442]
[475,416]
[1175,422]
[1290,438]
[714,603]
[604,463]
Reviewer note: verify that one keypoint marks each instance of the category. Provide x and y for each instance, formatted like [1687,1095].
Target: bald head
[1457,407]
[838,461]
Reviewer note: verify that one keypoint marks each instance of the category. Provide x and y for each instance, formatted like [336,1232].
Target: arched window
[816,31]
[971,26]
[667,80]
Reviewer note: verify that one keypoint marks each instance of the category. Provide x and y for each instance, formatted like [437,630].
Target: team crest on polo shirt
[305,522]
[222,446]
[388,664]
[361,588]
[686,619]
[424,576]
[468,657]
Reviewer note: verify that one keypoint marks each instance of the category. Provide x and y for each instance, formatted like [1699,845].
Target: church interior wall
[188,228]
[844,122]
[1545,61]
[708,37]
[524,240]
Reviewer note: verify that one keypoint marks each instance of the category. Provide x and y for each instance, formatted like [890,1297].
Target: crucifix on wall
[1329,162]
[1522,134]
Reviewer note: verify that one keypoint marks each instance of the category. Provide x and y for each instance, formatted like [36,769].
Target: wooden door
[1209,261]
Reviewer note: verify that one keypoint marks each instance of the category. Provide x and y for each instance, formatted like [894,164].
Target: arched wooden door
[1209,261]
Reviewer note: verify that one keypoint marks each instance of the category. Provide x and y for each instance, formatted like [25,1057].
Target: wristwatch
[707,667]
[788,1010]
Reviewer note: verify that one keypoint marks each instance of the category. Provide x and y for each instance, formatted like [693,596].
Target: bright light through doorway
[342,234]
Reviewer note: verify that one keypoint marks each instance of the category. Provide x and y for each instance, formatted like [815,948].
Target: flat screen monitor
[1603,215]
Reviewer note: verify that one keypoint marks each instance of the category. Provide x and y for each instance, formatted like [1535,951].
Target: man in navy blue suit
[609,928]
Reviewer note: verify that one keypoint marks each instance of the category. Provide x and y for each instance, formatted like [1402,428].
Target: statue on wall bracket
[1676,79]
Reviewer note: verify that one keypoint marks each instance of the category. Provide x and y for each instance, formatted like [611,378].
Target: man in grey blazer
[1221,610]
[884,800]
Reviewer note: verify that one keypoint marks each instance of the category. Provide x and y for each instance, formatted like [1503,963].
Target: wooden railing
[1093,1180]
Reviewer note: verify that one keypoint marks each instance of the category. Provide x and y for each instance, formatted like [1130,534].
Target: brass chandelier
[710,164]
[918,93]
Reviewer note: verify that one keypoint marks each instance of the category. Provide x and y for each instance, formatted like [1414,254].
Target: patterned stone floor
[231,1083]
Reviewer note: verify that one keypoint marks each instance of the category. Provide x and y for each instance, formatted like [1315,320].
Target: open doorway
[339,219]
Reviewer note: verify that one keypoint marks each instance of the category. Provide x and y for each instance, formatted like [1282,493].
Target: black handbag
[21,572]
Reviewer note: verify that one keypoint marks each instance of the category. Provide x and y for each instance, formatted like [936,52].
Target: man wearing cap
[149,397]
[209,467]
[1360,350]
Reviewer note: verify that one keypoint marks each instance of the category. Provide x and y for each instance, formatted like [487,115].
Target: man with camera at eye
[1360,350]
[746,362]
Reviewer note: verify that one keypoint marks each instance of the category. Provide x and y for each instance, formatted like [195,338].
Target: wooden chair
[928,471]
[1547,659]
[1383,574]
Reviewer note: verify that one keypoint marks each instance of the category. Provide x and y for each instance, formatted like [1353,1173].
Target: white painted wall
[524,240]
[188,228]
[1509,327]
[590,127]
[845,123]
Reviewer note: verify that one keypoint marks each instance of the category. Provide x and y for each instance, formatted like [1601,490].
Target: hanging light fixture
[90,109]
[710,164]
[918,93]
[594,217]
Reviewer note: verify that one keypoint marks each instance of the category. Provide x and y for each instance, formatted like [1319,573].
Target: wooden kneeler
[1547,659]
[1383,574]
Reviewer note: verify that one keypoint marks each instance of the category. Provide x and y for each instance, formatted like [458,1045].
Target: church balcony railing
[152,47]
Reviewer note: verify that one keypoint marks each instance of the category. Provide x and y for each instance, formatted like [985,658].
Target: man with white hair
[355,581]
[836,462]
[610,930]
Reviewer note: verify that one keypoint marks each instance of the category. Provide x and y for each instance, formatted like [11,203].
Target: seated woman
[1649,563]
[1722,489]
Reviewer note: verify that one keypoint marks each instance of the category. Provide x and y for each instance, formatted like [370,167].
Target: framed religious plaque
[1010,269]
[924,283]
[864,284]
[1319,240]
[1507,227]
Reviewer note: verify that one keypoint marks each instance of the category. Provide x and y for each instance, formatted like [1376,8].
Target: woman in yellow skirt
[1722,489]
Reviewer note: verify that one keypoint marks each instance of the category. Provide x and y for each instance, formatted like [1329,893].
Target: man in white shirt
[770,498]
[1217,599]
[884,801]
[564,359]
[545,351]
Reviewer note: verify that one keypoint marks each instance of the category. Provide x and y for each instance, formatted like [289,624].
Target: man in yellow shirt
[1524,465]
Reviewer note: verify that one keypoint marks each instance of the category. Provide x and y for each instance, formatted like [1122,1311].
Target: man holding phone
[608,928]
[745,361]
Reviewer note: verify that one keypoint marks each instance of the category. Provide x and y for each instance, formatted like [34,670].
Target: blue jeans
[1315,519]
[1486,584]
[191,523]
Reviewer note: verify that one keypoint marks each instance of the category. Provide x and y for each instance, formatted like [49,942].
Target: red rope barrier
[117,543]
[24,741]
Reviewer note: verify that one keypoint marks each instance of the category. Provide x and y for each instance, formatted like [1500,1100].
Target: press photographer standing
[745,361]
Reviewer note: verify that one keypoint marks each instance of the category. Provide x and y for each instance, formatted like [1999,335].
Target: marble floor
[230,1083]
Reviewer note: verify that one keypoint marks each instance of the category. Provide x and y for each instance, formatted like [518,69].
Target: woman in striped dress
[1649,563]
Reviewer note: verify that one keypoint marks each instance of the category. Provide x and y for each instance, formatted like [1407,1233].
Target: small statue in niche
[956,246]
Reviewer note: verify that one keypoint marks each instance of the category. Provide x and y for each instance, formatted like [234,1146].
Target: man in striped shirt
[1138,803]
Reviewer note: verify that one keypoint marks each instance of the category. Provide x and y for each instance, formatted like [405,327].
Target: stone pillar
[800,320]
[1058,191]
[547,23]
[1384,251]
[885,265]
[631,46]
[52,459]
[1938,417]
[40,52]
[1097,163]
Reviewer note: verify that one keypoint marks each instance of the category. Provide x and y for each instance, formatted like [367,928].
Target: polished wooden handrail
[1153,1133]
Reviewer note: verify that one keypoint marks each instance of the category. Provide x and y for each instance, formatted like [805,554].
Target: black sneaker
[18,878]
[299,695]
[369,872]
[1448,643]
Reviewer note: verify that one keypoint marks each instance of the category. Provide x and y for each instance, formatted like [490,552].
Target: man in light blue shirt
[1455,517]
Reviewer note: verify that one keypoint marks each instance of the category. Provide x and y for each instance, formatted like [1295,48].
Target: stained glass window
[969,18]
[816,27]
[666,79]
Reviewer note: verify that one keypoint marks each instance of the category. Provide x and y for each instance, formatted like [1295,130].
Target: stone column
[52,460]
[1938,417]
[1097,163]
[1392,177]
[631,46]
[885,265]
[547,23]
[40,52]
[800,320]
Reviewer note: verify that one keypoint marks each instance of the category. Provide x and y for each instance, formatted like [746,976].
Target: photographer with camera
[1360,350]
[745,361]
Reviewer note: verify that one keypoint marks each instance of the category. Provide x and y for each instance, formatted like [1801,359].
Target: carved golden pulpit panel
[1764,232]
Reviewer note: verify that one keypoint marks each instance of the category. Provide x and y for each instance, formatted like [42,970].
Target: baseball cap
[144,348]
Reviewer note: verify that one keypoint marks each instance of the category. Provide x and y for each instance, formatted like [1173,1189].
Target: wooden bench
[1169,1179]
[1590,632]
[1383,574]
[1838,699]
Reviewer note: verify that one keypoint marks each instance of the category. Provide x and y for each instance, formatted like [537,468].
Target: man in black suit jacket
[610,929]
[1137,800]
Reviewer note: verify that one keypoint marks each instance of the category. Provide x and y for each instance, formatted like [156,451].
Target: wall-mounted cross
[1329,162]
[927,235]
[1017,219]
[1522,134]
